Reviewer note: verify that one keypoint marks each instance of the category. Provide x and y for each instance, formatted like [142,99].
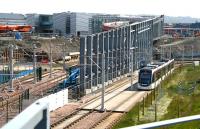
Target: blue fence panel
[5,77]
[23,73]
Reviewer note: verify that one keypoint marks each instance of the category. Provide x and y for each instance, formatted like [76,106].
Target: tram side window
[156,76]
[153,78]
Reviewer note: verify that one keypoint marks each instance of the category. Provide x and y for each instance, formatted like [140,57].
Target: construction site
[82,80]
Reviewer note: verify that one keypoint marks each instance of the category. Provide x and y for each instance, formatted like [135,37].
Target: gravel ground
[108,122]
[61,112]
[89,121]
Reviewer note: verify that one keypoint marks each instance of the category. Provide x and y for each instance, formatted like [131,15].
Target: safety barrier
[35,116]
[56,100]
[166,122]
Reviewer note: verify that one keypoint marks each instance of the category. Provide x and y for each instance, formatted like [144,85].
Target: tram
[151,75]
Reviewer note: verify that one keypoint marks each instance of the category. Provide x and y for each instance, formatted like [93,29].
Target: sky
[134,7]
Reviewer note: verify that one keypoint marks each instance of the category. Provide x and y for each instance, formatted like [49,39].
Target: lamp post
[170,52]
[64,54]
[34,62]
[11,47]
[51,60]
[192,52]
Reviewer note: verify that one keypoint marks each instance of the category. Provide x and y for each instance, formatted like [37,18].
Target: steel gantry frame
[115,46]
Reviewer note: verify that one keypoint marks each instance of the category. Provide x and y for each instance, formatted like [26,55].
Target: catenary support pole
[50,75]
[131,68]
[34,63]
[64,55]
[11,67]
[103,80]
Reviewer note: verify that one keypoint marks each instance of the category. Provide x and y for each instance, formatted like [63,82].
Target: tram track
[97,116]
[111,120]
[112,112]
[74,118]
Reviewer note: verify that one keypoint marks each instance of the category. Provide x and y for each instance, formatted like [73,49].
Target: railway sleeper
[64,118]
[76,121]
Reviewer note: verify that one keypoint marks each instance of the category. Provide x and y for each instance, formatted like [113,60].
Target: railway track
[80,115]
[47,85]
[88,121]
[112,117]
[33,89]
[109,121]
[91,119]
[10,107]
[22,81]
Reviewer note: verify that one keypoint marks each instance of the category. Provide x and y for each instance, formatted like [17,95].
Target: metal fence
[37,118]
[117,50]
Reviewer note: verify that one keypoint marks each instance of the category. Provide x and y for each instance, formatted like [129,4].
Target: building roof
[12,16]
[12,19]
